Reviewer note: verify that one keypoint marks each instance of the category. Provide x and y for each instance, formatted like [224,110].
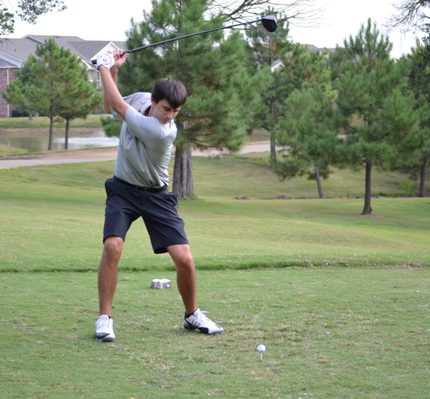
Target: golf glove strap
[105,59]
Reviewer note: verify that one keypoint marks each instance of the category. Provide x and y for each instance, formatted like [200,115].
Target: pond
[36,140]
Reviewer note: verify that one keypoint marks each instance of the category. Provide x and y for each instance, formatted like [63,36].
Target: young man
[139,188]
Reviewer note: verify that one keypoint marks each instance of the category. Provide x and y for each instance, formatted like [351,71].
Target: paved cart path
[102,154]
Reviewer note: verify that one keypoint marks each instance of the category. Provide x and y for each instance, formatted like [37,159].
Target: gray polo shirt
[145,145]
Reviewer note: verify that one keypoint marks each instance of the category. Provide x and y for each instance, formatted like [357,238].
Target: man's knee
[186,261]
[182,256]
[113,246]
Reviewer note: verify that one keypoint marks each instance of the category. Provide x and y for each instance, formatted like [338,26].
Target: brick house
[14,52]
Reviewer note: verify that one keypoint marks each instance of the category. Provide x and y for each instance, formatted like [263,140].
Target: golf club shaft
[269,23]
[173,39]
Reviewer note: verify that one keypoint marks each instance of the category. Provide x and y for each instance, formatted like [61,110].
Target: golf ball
[261,348]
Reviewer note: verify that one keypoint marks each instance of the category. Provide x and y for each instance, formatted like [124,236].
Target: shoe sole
[105,338]
[203,330]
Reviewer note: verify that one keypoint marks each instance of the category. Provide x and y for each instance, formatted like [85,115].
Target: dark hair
[171,90]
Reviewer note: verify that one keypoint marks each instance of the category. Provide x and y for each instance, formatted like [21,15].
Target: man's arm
[111,95]
[106,103]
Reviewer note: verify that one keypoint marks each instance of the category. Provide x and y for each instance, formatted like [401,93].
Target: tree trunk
[423,175]
[183,172]
[367,209]
[319,185]
[51,133]
[272,150]
[272,136]
[66,135]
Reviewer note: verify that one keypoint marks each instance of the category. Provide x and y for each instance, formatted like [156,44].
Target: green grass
[329,333]
[91,121]
[45,209]
[340,300]
[7,151]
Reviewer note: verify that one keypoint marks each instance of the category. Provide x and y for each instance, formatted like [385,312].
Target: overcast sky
[105,20]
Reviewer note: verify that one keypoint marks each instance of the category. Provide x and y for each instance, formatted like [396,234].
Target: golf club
[269,22]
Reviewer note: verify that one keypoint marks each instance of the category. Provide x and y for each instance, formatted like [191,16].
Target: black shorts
[125,203]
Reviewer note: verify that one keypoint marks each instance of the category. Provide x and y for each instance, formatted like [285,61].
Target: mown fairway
[54,217]
[341,301]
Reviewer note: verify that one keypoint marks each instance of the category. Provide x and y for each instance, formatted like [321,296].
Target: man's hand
[106,59]
[108,65]
[112,60]
[120,56]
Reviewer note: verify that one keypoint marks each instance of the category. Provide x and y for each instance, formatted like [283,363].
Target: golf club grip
[94,61]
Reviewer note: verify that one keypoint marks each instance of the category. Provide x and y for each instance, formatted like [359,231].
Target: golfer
[139,188]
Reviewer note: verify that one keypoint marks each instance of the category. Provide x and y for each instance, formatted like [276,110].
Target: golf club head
[270,23]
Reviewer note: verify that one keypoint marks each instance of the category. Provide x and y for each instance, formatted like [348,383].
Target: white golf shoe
[104,329]
[199,321]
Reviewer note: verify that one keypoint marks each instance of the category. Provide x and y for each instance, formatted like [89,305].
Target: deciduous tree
[412,14]
[27,10]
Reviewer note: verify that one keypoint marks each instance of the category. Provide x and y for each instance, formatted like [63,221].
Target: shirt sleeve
[135,100]
[145,128]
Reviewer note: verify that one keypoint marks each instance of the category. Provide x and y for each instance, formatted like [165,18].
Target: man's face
[163,111]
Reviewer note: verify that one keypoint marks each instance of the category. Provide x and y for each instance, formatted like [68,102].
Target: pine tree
[49,83]
[307,130]
[419,82]
[373,102]
[213,68]
[81,96]
[267,49]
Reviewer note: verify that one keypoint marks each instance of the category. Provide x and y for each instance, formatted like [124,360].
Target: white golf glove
[105,59]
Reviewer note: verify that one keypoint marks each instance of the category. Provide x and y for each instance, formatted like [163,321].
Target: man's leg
[185,275]
[107,280]
[108,273]
[187,285]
